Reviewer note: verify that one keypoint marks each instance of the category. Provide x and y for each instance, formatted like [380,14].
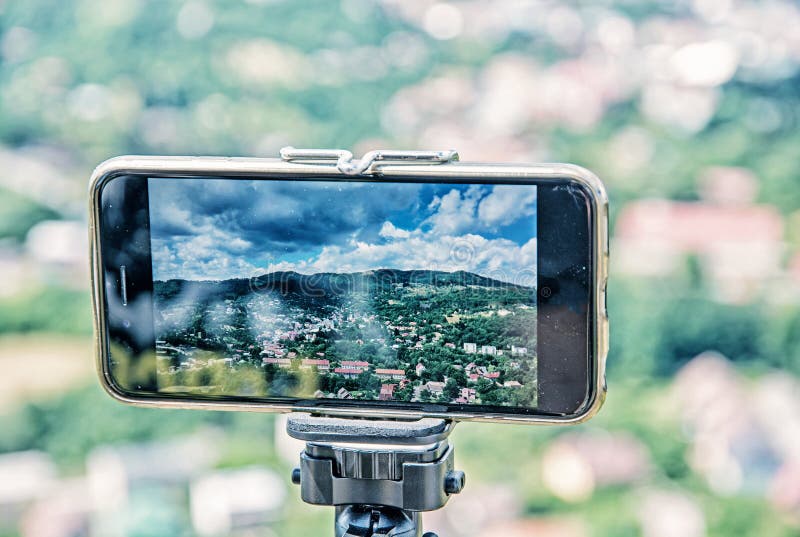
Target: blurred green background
[689,111]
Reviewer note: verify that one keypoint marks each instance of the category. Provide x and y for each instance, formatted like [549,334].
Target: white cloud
[239,245]
[480,209]
[200,257]
[455,211]
[500,259]
[505,204]
[389,231]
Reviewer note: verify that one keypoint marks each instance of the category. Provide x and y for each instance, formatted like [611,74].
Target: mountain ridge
[336,283]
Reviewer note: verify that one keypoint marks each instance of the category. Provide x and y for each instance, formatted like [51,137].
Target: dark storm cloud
[279,217]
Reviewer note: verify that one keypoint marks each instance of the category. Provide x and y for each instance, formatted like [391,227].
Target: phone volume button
[605,299]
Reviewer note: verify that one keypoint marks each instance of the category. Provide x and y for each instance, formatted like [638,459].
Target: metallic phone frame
[270,167]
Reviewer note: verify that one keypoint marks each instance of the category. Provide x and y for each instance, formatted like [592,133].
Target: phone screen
[381,291]
[444,295]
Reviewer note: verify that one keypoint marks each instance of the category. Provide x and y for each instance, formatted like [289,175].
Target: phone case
[433,165]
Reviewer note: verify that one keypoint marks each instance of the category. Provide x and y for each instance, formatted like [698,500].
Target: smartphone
[457,291]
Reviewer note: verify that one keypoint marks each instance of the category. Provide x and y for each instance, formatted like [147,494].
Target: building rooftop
[696,226]
[348,371]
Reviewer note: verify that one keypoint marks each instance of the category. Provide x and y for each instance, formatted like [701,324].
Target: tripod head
[378,474]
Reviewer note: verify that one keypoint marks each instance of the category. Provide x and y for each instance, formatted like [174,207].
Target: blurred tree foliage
[70,427]
[51,309]
[658,326]
[18,214]
[150,72]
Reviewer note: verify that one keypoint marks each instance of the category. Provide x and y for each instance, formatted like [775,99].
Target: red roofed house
[348,372]
[355,364]
[387,392]
[322,365]
[468,394]
[395,374]
[280,362]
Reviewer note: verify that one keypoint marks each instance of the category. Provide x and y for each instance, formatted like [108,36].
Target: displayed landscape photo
[398,292]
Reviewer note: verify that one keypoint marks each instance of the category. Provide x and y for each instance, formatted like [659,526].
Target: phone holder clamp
[378,474]
[347,165]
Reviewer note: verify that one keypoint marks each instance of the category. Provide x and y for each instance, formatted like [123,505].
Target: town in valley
[388,335]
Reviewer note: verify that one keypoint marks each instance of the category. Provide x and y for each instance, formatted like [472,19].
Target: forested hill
[329,284]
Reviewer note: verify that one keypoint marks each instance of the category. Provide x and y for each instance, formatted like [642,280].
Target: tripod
[380,475]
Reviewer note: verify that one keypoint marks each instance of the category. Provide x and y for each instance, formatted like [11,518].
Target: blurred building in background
[743,435]
[236,501]
[740,244]
[129,488]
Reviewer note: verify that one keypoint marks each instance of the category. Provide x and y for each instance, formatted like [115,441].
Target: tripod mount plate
[406,465]
[364,431]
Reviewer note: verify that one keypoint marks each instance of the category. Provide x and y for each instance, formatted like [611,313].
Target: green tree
[451,389]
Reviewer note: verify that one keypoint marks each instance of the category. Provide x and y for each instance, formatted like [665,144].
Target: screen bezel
[572,404]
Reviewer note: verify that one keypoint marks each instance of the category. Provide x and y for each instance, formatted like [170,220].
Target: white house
[394,374]
[435,387]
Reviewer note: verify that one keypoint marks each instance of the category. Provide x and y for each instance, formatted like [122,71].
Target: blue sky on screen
[214,229]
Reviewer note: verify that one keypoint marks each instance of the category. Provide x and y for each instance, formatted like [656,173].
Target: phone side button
[604,300]
[604,317]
